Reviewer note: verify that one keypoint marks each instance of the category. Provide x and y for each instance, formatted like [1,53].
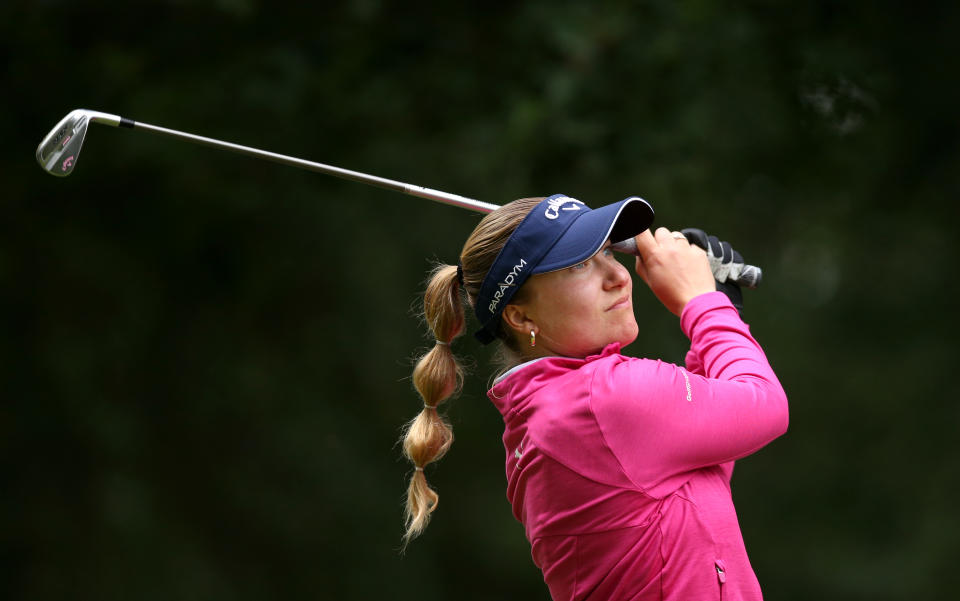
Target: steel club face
[59,150]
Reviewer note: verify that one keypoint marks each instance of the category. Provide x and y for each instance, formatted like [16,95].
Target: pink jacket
[619,468]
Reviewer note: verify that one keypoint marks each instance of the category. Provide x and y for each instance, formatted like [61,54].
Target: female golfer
[619,468]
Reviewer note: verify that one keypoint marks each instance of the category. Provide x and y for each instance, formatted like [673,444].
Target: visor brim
[587,235]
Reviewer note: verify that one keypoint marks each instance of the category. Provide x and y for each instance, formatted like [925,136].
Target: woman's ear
[517,320]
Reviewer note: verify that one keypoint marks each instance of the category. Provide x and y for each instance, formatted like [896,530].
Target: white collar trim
[513,370]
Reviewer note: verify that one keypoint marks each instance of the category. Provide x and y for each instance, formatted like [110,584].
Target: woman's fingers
[645,242]
[673,269]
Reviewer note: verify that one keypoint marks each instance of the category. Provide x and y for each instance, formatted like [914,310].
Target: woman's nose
[617,275]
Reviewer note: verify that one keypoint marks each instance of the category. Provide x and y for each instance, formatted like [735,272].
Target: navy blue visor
[558,233]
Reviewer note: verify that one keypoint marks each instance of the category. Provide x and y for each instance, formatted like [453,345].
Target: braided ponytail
[437,376]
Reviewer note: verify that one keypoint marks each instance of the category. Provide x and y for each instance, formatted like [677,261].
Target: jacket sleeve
[661,420]
[695,366]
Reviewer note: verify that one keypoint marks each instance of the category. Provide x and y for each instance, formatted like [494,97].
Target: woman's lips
[620,304]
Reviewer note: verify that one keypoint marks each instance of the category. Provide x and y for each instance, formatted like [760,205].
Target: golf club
[59,151]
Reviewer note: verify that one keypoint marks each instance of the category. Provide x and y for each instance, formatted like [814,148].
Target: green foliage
[205,357]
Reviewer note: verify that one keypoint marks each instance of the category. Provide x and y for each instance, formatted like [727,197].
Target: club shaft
[380,182]
[750,277]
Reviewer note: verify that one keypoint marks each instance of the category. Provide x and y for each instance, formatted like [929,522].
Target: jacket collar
[523,380]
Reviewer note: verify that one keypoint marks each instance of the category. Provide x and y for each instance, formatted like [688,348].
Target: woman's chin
[629,337]
[623,340]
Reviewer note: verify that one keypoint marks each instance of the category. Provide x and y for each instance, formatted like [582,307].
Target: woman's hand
[675,270]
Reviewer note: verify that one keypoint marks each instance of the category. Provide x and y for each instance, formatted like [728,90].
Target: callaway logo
[556,205]
[506,283]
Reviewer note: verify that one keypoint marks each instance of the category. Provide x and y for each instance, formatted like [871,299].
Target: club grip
[749,277]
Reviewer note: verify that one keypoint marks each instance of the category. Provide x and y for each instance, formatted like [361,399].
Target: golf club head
[58,151]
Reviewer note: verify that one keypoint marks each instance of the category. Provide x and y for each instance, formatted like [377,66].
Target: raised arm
[661,420]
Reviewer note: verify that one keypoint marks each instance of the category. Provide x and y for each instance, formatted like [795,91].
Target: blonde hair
[438,375]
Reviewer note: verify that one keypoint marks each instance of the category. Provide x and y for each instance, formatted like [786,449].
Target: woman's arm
[660,419]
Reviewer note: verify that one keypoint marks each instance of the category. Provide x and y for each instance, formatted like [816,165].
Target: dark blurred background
[205,358]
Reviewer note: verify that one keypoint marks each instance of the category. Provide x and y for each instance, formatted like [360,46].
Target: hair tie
[417,468]
[438,341]
[426,406]
[460,273]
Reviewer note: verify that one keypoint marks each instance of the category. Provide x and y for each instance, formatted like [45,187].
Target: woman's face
[578,310]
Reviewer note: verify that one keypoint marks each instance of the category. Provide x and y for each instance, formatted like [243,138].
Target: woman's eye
[579,265]
[608,252]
